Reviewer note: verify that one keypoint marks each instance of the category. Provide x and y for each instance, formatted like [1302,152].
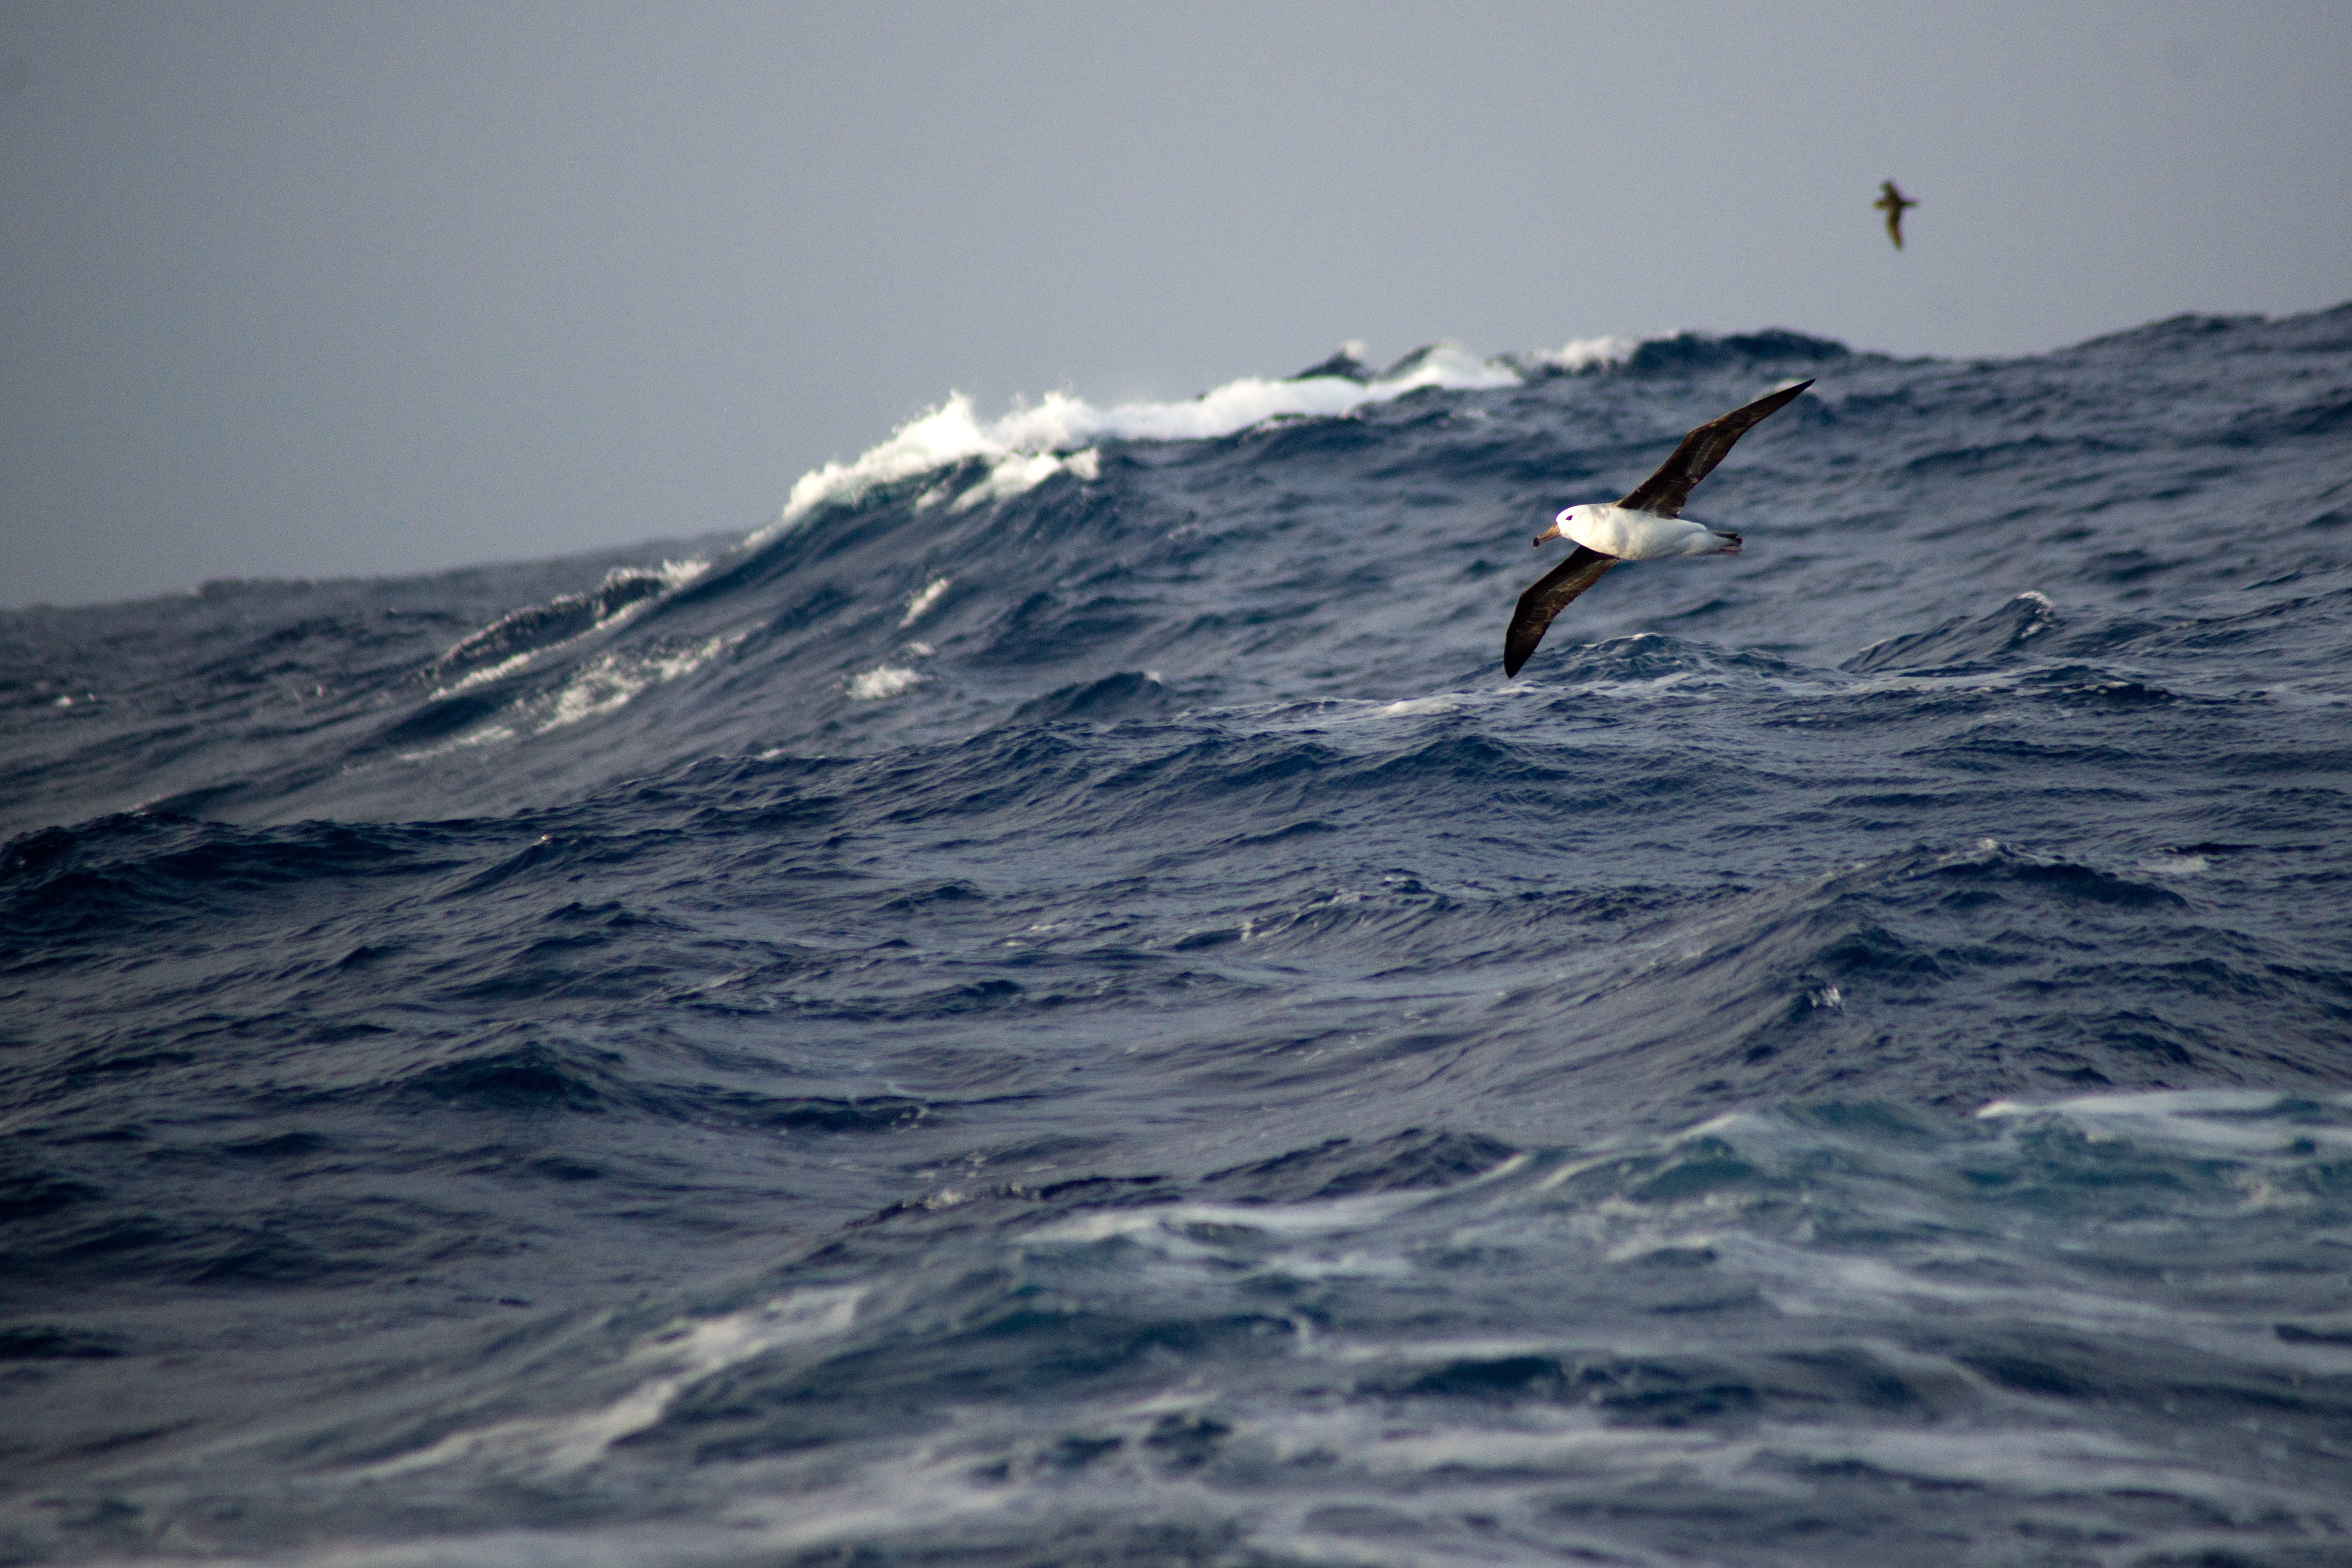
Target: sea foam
[1032,442]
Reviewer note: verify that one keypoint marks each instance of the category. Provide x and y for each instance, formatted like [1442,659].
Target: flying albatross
[1647,524]
[1892,202]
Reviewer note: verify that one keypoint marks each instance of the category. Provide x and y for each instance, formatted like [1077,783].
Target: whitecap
[1032,442]
[1589,353]
[922,599]
[489,735]
[678,1353]
[613,681]
[882,682]
[623,594]
[2229,1121]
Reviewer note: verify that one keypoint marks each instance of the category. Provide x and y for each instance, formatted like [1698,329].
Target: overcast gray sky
[314,290]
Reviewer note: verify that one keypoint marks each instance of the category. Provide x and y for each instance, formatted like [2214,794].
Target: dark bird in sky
[1646,525]
[1892,202]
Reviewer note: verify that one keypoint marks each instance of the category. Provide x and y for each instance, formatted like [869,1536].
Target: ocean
[1053,1005]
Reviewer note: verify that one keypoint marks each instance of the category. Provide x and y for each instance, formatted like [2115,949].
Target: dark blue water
[1055,1007]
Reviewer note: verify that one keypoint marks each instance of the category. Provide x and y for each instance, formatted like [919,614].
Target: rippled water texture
[1055,1007]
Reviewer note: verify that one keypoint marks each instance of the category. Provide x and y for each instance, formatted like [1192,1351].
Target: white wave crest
[882,683]
[1589,353]
[1033,442]
[924,598]
[623,594]
[610,681]
[677,1354]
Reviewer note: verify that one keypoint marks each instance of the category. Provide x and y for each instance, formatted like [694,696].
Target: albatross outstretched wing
[1663,492]
[1546,598]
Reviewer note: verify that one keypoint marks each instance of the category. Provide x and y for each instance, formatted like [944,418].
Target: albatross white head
[1569,525]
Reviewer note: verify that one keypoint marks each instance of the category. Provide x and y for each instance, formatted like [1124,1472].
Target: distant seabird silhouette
[1892,202]
[1647,524]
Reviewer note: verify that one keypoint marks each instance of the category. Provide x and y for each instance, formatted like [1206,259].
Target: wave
[1028,444]
[1353,553]
[1061,983]
[1932,1327]
[505,645]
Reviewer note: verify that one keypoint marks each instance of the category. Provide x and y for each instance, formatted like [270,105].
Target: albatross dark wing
[1548,598]
[1663,492]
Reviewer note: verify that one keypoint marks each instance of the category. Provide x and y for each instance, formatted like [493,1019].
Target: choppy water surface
[1054,1006]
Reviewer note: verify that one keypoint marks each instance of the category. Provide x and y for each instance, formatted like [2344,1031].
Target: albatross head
[1561,526]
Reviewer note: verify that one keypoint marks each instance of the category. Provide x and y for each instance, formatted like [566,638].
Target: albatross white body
[1631,535]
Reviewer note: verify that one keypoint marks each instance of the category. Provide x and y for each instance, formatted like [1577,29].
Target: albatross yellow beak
[1551,532]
